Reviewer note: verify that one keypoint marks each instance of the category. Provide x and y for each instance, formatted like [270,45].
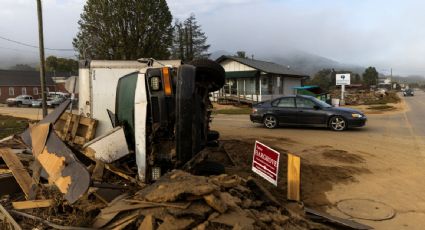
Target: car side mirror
[316,107]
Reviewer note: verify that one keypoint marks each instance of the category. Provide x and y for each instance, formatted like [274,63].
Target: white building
[253,80]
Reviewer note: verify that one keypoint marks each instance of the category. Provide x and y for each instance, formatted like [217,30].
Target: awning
[241,74]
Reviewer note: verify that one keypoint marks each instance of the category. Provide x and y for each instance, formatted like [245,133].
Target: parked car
[305,110]
[36,103]
[408,92]
[55,101]
[20,100]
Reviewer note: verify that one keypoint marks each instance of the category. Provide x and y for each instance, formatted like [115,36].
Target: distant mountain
[310,64]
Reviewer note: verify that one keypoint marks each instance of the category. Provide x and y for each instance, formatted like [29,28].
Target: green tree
[189,41]
[323,79]
[124,30]
[241,54]
[55,64]
[370,76]
[22,67]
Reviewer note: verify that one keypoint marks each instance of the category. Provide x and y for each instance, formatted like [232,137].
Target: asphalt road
[416,113]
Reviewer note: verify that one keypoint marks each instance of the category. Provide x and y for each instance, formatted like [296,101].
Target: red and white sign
[265,162]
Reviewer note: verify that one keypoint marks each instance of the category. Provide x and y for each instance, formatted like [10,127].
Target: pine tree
[189,41]
[370,76]
[124,29]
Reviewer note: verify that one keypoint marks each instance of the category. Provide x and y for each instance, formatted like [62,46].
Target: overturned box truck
[160,110]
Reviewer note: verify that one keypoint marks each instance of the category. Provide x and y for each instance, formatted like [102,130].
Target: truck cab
[165,113]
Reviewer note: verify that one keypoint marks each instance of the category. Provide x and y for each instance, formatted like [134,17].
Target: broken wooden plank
[50,118]
[98,171]
[182,205]
[294,172]
[20,173]
[124,222]
[148,223]
[336,220]
[120,173]
[62,167]
[10,218]
[30,204]
[102,219]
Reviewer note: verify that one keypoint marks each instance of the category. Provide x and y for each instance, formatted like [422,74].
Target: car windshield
[321,103]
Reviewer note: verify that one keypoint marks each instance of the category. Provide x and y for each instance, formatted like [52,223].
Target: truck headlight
[154,81]
[356,115]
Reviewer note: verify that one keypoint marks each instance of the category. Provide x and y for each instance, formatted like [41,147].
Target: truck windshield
[124,107]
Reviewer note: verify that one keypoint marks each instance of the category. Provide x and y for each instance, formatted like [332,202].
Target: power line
[32,46]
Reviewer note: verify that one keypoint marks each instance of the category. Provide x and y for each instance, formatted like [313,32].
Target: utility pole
[42,60]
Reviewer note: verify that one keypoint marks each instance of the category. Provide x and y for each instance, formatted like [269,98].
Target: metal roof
[267,67]
[23,78]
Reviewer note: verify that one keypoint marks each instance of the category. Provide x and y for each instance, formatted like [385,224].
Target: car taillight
[254,110]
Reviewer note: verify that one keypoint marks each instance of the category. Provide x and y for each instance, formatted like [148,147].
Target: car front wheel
[270,121]
[338,123]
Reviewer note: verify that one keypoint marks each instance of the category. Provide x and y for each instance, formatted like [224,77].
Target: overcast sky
[382,33]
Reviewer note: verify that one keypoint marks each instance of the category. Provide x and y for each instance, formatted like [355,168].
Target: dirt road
[382,162]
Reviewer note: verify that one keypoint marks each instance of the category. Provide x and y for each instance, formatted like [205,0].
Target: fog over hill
[301,61]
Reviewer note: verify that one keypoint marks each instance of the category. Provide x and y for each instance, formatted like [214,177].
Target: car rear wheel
[270,121]
[338,123]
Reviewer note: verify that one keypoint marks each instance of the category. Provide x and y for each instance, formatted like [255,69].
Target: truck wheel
[209,73]
[19,104]
[207,168]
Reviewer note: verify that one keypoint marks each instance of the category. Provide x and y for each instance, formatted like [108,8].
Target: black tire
[209,74]
[270,121]
[337,123]
[184,113]
[208,168]
[19,104]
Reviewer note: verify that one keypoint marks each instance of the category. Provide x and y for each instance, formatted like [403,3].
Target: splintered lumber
[50,118]
[19,205]
[64,170]
[123,222]
[10,218]
[19,172]
[75,129]
[294,171]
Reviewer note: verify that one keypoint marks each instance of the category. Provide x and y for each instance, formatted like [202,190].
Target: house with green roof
[254,80]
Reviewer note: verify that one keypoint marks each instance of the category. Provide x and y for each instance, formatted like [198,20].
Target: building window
[35,91]
[24,91]
[11,91]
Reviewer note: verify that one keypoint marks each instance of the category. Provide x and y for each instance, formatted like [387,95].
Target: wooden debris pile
[180,200]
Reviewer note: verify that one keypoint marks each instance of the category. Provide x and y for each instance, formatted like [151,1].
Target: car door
[308,112]
[285,110]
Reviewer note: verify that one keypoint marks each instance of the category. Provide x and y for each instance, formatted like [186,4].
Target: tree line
[326,78]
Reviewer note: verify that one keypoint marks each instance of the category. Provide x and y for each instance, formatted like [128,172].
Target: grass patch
[382,107]
[11,125]
[234,111]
